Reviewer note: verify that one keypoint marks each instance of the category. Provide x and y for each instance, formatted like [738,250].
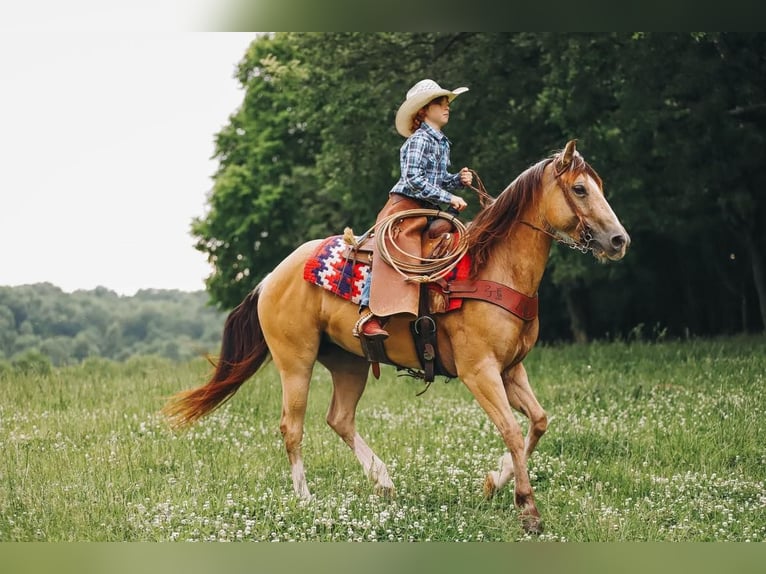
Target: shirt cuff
[452,181]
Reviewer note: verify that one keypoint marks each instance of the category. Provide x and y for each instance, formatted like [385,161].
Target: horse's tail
[243,352]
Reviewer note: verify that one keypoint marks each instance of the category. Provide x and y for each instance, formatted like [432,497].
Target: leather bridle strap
[582,226]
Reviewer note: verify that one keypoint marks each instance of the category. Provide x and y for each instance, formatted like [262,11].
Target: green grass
[660,442]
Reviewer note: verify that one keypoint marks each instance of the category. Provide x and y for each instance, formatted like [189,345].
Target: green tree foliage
[42,321]
[673,122]
[262,152]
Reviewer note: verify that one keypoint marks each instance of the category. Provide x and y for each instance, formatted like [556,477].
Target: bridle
[426,270]
[583,245]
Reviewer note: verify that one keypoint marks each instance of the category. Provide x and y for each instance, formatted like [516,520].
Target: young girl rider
[424,183]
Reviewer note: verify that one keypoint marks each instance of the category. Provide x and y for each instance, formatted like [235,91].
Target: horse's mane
[496,219]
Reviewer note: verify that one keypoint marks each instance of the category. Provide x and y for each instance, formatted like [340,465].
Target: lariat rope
[424,269]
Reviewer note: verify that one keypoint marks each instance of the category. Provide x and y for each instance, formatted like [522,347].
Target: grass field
[646,442]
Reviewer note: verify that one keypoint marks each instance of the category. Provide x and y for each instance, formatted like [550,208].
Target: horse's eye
[579,190]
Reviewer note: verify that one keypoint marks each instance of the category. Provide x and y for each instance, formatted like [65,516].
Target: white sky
[106,138]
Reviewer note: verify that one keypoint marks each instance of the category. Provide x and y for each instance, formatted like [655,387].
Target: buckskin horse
[559,198]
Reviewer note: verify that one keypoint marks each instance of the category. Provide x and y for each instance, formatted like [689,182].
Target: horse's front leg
[521,398]
[487,386]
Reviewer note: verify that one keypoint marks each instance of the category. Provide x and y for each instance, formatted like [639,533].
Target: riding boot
[372,329]
[369,325]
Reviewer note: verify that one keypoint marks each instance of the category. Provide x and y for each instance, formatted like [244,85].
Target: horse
[295,324]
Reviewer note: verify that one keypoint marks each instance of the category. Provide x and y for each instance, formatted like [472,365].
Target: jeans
[365,302]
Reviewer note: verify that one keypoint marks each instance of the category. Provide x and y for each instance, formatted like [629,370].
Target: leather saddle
[435,243]
[437,240]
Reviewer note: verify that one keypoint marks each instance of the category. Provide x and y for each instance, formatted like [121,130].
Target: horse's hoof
[306,497]
[532,524]
[386,492]
[490,487]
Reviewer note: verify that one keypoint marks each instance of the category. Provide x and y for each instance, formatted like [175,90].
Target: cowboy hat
[417,97]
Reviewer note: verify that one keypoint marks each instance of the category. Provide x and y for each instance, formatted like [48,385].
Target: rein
[583,245]
[484,198]
[427,270]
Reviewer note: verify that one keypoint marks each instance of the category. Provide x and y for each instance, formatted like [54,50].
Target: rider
[424,181]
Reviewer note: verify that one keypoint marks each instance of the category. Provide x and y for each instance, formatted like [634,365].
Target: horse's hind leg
[349,378]
[295,390]
[522,399]
[294,343]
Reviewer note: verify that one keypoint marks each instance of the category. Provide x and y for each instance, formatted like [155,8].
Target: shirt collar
[434,133]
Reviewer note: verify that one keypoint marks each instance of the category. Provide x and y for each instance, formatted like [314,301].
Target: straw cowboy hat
[417,97]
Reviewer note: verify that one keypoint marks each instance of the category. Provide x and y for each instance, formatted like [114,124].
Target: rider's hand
[466,177]
[458,203]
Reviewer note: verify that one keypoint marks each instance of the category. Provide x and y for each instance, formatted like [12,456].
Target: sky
[106,143]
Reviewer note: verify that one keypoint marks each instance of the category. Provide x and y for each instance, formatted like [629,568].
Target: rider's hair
[418,118]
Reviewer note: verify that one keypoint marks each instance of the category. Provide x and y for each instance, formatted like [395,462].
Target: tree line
[41,324]
[673,123]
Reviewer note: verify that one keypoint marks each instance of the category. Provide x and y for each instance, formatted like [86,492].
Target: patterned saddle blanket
[332,267]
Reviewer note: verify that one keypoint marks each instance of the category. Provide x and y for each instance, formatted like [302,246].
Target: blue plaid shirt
[424,158]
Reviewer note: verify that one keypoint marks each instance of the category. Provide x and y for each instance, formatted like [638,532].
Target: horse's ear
[566,157]
[569,151]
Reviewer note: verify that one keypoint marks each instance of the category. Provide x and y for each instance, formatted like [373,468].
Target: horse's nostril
[618,241]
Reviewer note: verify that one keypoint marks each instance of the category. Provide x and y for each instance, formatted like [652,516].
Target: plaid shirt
[424,158]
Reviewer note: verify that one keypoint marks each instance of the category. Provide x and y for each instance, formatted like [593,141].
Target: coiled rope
[425,269]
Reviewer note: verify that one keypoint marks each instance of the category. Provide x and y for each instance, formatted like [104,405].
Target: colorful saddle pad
[330,268]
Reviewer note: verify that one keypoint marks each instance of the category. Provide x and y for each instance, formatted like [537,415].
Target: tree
[175,324]
[7,330]
[31,362]
[252,218]
[673,122]
[702,178]
[60,350]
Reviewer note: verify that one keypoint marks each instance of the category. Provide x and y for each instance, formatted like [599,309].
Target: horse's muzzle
[618,243]
[611,246]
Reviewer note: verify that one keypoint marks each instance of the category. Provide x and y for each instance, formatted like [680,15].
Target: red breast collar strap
[521,305]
